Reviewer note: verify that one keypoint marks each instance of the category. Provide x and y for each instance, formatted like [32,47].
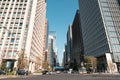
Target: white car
[70,71]
[58,72]
[82,70]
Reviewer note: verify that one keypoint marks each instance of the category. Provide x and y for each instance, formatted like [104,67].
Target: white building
[22,26]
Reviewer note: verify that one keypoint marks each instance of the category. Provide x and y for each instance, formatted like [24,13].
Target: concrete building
[22,28]
[101,31]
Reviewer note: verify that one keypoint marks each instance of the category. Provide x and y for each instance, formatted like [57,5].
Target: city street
[64,76]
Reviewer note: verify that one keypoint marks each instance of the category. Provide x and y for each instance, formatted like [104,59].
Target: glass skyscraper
[100,21]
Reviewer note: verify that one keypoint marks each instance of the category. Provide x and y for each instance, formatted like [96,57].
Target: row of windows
[13,4]
[12,34]
[15,24]
[116,47]
[15,0]
[12,8]
[117,56]
[10,46]
[114,40]
[11,40]
[17,18]
[11,28]
[18,21]
[110,27]
[9,53]
[13,13]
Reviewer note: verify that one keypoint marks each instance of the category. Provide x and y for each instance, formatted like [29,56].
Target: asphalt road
[67,77]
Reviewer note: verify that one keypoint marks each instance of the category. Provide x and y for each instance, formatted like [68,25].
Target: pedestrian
[27,72]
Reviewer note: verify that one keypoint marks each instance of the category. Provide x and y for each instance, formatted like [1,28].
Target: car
[82,70]
[44,72]
[58,72]
[21,72]
[2,72]
[70,71]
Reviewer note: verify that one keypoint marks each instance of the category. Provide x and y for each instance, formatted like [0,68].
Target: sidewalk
[105,73]
[14,76]
[8,76]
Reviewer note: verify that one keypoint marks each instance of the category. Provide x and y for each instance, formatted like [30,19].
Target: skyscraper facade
[65,56]
[74,50]
[101,31]
[52,56]
[22,28]
[77,50]
[69,41]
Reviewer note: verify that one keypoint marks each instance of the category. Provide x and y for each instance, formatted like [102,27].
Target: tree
[90,61]
[46,65]
[22,61]
[3,66]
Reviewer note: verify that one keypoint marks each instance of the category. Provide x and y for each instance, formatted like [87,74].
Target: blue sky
[60,13]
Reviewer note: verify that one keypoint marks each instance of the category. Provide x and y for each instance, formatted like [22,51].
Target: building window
[0,45]
[13,34]
[14,53]
[16,24]
[2,40]
[0,13]
[12,39]
[9,34]
[119,2]
[11,45]
[17,40]
[11,23]
[7,40]
[15,27]
[9,53]
[6,45]
[3,34]
[21,24]
[18,34]
[18,13]
[16,45]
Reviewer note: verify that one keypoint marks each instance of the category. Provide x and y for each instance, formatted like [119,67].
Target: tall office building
[74,49]
[65,56]
[22,26]
[101,32]
[77,50]
[69,42]
[45,41]
[51,57]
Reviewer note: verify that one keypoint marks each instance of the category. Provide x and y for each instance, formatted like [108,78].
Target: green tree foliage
[90,61]
[3,65]
[46,65]
[22,61]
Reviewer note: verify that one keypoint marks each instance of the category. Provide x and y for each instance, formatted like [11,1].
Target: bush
[11,73]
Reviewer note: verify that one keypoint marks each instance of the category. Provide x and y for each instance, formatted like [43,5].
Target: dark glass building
[75,43]
[100,20]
